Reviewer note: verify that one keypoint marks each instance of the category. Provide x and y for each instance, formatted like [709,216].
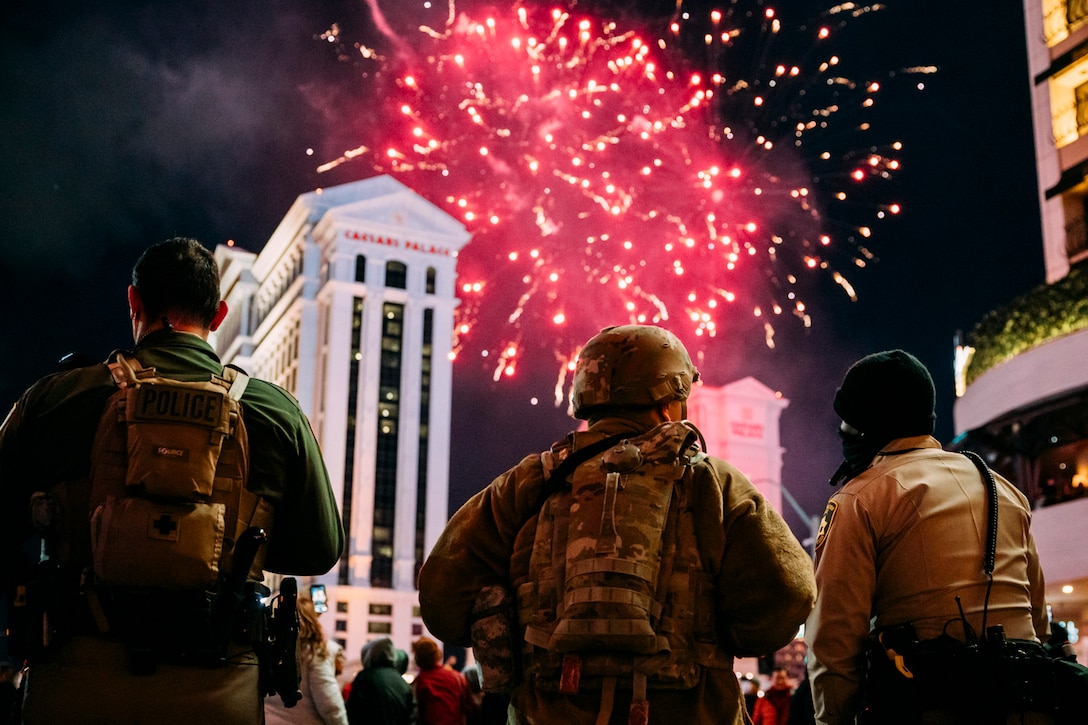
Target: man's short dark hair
[178,279]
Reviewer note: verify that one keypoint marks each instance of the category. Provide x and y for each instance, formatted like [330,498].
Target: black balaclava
[884,396]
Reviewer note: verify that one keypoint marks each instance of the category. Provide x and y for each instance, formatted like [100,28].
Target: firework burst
[677,176]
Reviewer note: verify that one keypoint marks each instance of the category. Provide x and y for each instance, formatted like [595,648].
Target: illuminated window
[424,434]
[1075,12]
[1080,97]
[385,470]
[354,360]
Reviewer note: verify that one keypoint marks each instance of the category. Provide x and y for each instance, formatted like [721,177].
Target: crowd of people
[385,690]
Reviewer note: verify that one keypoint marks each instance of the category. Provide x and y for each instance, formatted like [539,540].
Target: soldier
[147,519]
[902,545]
[640,566]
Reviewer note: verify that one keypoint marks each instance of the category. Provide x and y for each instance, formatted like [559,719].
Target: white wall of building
[291,322]
[740,422]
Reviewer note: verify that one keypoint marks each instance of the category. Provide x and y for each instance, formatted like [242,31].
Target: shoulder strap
[991,490]
[126,369]
[990,555]
[237,379]
[554,480]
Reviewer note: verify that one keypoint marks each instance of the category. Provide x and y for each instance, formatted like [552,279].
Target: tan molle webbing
[616,597]
[168,495]
[609,595]
[175,431]
[639,711]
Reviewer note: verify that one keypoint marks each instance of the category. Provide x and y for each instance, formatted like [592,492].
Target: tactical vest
[168,475]
[616,592]
[168,501]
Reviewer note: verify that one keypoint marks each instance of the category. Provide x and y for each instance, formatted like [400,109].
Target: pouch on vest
[613,553]
[142,543]
[175,435]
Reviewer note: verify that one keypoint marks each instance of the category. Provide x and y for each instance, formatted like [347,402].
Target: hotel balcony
[1024,407]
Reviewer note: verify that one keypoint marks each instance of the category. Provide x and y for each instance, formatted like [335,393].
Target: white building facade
[349,307]
[740,422]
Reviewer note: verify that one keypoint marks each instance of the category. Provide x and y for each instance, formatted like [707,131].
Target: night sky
[124,123]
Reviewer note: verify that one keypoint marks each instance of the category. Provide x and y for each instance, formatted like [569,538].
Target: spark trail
[612,175]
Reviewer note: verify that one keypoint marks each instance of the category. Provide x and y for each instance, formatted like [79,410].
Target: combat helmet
[631,365]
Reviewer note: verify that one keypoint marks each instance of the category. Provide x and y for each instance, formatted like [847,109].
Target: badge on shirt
[825,522]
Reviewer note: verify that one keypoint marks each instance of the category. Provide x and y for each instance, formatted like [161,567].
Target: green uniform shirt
[47,437]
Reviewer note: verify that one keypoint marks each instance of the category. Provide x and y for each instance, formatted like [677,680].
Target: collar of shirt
[169,338]
[911,443]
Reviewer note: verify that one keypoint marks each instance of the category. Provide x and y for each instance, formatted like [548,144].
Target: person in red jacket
[442,695]
[773,708]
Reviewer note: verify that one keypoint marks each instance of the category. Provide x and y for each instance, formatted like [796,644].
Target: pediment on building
[749,387]
[384,205]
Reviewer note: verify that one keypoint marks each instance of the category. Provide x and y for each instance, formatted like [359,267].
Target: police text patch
[178,405]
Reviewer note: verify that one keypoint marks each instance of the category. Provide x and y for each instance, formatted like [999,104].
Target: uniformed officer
[47,445]
[903,542]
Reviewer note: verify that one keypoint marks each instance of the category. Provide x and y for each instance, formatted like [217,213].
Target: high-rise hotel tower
[349,307]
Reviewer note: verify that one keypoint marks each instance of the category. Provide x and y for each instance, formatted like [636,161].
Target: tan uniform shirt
[898,544]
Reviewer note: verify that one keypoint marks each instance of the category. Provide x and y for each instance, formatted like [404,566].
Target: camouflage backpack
[616,593]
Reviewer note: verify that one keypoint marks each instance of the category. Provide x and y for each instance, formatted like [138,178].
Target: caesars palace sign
[409,245]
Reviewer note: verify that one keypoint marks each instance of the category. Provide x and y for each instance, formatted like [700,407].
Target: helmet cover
[631,365]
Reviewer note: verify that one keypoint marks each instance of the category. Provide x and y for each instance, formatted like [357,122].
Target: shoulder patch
[825,522]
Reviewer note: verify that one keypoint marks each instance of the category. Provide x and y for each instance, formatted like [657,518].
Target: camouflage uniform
[762,579]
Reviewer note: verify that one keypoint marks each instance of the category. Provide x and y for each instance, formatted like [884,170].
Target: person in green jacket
[379,693]
[47,448]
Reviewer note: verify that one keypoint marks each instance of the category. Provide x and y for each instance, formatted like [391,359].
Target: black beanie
[888,395]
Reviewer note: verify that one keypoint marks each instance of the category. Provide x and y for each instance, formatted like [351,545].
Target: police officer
[629,380]
[903,542]
[47,444]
